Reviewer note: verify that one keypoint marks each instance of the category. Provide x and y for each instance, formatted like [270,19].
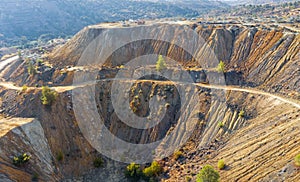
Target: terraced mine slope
[261,81]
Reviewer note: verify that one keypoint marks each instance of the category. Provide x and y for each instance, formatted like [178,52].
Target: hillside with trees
[23,20]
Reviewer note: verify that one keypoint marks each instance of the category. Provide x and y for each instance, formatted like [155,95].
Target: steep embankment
[267,58]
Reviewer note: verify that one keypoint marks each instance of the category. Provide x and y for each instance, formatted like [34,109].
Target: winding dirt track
[10,85]
[60,89]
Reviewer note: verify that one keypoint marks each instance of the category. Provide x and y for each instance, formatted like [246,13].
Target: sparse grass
[221,164]
[297,160]
[98,162]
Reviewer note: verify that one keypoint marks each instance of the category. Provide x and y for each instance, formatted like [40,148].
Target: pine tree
[161,63]
[221,67]
[208,174]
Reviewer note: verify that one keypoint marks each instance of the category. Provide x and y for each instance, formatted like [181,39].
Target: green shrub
[24,88]
[220,124]
[154,170]
[135,103]
[242,113]
[297,160]
[98,162]
[152,180]
[48,96]
[134,171]
[35,177]
[161,63]
[31,69]
[21,159]
[59,156]
[208,174]
[40,61]
[177,155]
[221,67]
[221,164]
[19,54]
[188,178]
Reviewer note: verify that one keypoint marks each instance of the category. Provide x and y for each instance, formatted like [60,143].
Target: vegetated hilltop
[280,10]
[27,19]
[256,131]
[256,2]
[267,13]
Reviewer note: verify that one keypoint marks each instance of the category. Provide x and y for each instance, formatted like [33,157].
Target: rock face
[265,60]
[21,135]
[268,58]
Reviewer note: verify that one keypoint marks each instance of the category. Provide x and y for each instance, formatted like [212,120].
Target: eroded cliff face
[18,134]
[266,60]
[266,57]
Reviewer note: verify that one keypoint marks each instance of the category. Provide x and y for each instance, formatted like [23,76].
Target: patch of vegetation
[154,170]
[59,156]
[297,160]
[135,103]
[39,61]
[31,69]
[20,54]
[188,178]
[140,91]
[208,174]
[133,171]
[80,14]
[177,154]
[242,113]
[221,67]
[35,177]
[98,162]
[48,96]
[161,63]
[221,164]
[21,159]
[220,124]
[24,88]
